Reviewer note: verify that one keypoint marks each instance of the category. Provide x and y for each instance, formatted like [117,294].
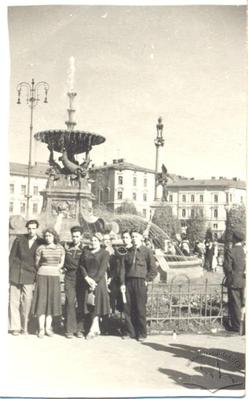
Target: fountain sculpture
[68,193]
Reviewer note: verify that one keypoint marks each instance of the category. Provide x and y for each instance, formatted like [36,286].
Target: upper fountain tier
[75,141]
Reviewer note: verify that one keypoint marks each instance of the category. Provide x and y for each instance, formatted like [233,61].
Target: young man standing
[73,285]
[22,272]
[139,268]
[234,269]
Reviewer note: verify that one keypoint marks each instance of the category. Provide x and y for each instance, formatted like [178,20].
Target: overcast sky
[132,65]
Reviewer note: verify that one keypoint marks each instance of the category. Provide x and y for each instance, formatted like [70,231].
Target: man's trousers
[135,308]
[73,306]
[20,300]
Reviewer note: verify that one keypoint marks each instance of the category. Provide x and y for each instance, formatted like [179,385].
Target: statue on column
[161,180]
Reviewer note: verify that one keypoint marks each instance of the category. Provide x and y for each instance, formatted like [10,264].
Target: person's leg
[70,307]
[80,317]
[234,305]
[49,330]
[14,308]
[26,302]
[140,299]
[129,309]
[41,320]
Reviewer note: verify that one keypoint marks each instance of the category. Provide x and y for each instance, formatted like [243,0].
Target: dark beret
[238,235]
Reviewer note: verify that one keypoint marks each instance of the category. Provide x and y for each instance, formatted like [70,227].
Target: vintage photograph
[127,201]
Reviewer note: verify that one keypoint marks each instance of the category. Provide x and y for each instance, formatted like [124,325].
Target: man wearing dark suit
[22,273]
[139,268]
[73,285]
[234,269]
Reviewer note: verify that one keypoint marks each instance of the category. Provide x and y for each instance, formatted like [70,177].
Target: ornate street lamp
[32,99]
[159,142]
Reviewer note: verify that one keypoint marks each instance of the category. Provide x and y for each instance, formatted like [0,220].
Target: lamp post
[159,142]
[32,99]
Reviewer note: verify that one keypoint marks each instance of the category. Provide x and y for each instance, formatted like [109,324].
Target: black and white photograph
[126,204]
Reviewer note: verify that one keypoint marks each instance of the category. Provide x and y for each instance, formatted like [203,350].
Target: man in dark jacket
[234,269]
[139,268]
[73,285]
[22,274]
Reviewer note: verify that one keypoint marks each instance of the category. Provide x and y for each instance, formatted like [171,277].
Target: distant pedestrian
[208,256]
[47,295]
[22,273]
[234,269]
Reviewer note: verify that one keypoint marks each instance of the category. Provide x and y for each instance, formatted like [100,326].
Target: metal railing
[185,306]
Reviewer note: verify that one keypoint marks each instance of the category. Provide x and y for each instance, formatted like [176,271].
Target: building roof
[37,170]
[121,164]
[208,183]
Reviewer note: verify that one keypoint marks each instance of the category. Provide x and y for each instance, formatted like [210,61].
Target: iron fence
[185,306]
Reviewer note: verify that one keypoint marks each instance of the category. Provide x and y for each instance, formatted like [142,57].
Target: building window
[23,207]
[183,213]
[241,199]
[120,180]
[144,213]
[227,199]
[119,195]
[230,197]
[11,206]
[192,213]
[184,198]
[23,189]
[134,181]
[35,208]
[134,196]
[11,188]
[201,213]
[201,198]
[144,197]
[192,198]
[170,197]
[145,182]
[215,197]
[215,213]
[36,190]
[215,225]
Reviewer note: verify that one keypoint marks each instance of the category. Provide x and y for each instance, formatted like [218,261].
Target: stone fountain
[67,198]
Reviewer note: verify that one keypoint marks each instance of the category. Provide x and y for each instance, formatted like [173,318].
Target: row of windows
[193,198]
[120,196]
[121,181]
[23,189]
[199,211]
[23,207]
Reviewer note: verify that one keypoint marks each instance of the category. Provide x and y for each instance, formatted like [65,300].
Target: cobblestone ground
[110,366]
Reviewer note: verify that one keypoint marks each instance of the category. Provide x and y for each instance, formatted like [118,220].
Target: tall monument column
[159,142]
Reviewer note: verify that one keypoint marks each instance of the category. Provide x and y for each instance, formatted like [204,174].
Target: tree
[236,220]
[196,226]
[164,218]
[127,207]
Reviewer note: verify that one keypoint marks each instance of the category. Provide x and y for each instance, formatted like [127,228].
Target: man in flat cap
[234,269]
[73,285]
[139,267]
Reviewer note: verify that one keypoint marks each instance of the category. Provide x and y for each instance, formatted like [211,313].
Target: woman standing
[93,265]
[47,296]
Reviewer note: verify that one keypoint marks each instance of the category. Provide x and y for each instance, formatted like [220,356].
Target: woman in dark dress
[93,266]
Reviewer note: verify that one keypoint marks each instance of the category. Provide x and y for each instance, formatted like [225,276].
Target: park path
[109,366]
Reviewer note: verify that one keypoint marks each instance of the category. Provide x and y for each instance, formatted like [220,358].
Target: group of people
[96,281]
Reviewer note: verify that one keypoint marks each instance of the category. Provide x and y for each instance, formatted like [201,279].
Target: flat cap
[238,235]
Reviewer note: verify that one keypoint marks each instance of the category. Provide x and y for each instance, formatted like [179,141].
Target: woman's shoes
[49,332]
[41,333]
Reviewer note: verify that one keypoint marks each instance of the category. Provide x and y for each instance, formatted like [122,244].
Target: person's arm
[13,251]
[62,259]
[151,266]
[104,262]
[84,273]
[38,257]
[227,265]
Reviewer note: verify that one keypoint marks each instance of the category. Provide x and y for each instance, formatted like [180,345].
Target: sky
[132,65]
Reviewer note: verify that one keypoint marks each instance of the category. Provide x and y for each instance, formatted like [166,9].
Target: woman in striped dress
[47,296]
